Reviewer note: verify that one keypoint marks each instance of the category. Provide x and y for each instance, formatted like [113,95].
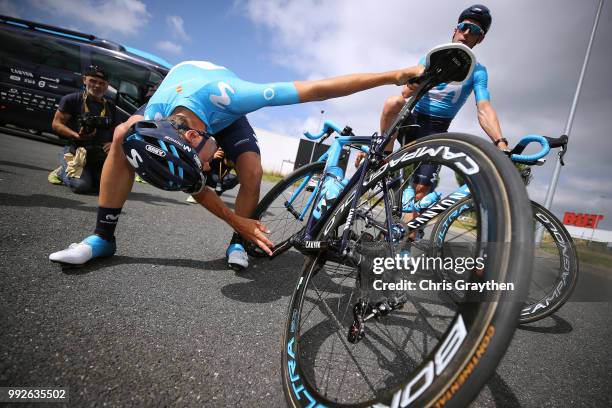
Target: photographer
[87,119]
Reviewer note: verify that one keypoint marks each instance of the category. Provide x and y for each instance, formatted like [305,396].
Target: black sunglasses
[204,134]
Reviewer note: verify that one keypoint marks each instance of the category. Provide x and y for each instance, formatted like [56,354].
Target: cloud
[170,47]
[7,8]
[533,70]
[111,16]
[176,25]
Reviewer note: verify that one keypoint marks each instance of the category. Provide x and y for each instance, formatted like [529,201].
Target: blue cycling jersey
[215,94]
[445,100]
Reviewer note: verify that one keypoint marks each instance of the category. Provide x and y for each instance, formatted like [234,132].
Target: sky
[533,54]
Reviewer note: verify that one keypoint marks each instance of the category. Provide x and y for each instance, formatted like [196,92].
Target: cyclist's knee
[249,171]
[251,179]
[393,105]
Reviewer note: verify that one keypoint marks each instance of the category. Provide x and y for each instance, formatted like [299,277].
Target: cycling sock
[107,222]
[237,239]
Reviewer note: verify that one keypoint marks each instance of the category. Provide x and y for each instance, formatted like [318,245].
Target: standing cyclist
[197,108]
[436,110]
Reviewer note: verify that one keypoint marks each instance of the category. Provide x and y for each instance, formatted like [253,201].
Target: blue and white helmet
[161,158]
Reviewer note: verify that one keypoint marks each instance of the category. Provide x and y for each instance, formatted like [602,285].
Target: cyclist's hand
[407,73]
[408,90]
[359,158]
[254,231]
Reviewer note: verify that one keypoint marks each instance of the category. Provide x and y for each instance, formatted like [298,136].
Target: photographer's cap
[96,71]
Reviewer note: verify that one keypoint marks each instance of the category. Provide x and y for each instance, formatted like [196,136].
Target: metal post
[568,126]
[570,119]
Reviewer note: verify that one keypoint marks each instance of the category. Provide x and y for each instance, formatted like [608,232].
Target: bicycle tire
[281,189]
[543,299]
[491,324]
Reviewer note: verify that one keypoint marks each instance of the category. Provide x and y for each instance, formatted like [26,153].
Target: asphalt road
[165,323]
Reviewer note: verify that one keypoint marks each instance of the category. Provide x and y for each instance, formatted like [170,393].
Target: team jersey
[215,94]
[445,100]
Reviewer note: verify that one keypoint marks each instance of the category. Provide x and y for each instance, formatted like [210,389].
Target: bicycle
[555,272]
[345,344]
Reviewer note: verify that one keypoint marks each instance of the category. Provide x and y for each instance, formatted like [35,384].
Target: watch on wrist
[500,140]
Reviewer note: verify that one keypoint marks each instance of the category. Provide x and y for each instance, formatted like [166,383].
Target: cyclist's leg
[115,185]
[249,170]
[426,175]
[393,105]
[117,174]
[239,143]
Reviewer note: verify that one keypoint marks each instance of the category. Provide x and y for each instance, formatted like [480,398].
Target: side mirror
[450,63]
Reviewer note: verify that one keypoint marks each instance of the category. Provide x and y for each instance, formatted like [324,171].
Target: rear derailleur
[364,311]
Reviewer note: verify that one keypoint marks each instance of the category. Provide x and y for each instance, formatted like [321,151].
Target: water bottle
[408,199]
[331,188]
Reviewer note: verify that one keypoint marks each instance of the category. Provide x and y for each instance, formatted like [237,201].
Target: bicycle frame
[332,157]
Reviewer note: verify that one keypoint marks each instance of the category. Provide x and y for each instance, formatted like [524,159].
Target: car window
[40,50]
[130,79]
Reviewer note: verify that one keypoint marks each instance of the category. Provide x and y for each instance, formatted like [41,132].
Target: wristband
[500,140]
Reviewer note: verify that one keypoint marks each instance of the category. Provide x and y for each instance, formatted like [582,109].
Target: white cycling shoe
[91,247]
[237,258]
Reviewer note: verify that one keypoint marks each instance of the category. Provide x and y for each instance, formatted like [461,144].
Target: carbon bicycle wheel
[555,269]
[281,211]
[433,351]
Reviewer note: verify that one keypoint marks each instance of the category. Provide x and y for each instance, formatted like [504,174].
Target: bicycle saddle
[448,63]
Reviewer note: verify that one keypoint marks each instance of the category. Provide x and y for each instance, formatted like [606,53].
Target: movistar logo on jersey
[223,100]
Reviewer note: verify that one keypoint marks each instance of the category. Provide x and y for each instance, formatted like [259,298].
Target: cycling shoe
[91,247]
[237,258]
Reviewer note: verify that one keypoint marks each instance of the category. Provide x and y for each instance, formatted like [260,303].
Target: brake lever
[561,154]
[327,135]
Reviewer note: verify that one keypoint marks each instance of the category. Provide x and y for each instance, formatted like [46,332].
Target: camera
[88,122]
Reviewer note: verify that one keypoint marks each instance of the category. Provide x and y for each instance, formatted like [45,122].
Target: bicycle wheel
[434,351]
[286,207]
[555,269]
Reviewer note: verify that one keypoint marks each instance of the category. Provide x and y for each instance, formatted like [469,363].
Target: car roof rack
[75,35]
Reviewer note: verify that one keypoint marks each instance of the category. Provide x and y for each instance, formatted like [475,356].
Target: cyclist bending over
[197,108]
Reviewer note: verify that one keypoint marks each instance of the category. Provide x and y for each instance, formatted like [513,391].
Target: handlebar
[523,158]
[329,127]
[546,142]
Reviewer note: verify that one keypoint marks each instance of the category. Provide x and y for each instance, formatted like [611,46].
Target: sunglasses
[208,143]
[472,28]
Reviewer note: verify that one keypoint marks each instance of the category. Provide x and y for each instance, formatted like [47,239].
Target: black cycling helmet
[161,158]
[479,13]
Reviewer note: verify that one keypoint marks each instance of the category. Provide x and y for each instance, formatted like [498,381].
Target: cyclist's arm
[487,116]
[251,230]
[251,96]
[323,89]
